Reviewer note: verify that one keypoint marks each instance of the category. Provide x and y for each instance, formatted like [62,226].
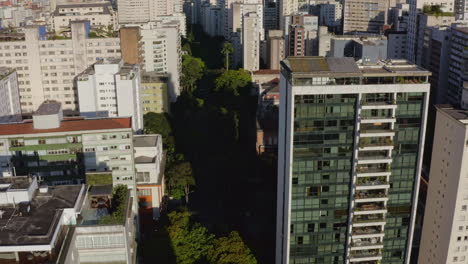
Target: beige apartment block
[46,68]
[365,15]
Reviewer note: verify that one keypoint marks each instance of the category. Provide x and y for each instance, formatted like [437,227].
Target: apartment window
[463,207]
[41,141]
[295,180]
[310,228]
[312,191]
[300,240]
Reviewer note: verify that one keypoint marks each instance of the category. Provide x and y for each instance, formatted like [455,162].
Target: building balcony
[372,183]
[367,232]
[377,119]
[365,255]
[370,206]
[374,159]
[388,104]
[376,133]
[366,243]
[382,141]
[371,196]
[368,220]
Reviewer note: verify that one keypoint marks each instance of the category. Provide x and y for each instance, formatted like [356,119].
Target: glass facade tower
[350,156]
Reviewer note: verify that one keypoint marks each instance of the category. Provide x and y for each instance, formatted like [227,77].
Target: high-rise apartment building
[46,68]
[62,150]
[302,35]
[143,11]
[331,13]
[350,152]
[251,36]
[457,71]
[445,228]
[275,49]
[10,109]
[111,88]
[365,16]
[157,47]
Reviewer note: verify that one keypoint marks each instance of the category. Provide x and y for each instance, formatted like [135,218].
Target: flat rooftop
[38,226]
[48,108]
[454,112]
[67,125]
[15,183]
[348,67]
[145,141]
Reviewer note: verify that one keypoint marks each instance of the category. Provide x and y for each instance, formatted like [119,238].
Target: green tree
[191,243]
[192,70]
[226,50]
[230,250]
[180,177]
[233,81]
[157,123]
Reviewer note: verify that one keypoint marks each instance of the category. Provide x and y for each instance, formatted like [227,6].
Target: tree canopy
[180,179]
[191,242]
[230,250]
[192,70]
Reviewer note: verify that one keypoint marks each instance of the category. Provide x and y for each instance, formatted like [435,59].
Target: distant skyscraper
[350,154]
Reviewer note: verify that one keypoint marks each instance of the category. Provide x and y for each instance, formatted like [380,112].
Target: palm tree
[227,49]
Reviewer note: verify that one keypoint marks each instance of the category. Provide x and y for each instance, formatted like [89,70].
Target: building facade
[62,151]
[445,230]
[275,49]
[365,16]
[10,109]
[46,68]
[154,93]
[99,15]
[111,88]
[350,143]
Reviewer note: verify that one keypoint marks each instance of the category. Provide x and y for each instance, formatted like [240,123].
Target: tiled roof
[67,125]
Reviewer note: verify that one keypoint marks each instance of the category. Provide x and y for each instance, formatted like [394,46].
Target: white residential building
[111,88]
[99,15]
[162,54]
[445,228]
[149,166]
[46,68]
[143,11]
[10,109]
[251,34]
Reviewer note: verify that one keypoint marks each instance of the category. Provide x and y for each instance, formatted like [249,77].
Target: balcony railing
[372,182]
[375,142]
[367,195]
[366,243]
[369,207]
[373,169]
[366,231]
[372,218]
[365,253]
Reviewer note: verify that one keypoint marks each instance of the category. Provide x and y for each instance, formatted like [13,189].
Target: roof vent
[43,189]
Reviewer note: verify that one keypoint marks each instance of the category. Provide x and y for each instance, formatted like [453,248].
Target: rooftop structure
[33,229]
[323,66]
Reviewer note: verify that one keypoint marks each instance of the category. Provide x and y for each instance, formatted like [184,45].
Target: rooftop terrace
[37,226]
[347,67]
